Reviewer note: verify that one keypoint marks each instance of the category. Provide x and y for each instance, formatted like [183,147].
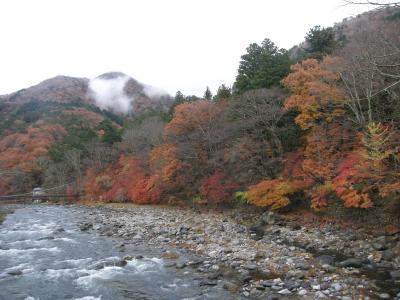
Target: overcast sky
[172,44]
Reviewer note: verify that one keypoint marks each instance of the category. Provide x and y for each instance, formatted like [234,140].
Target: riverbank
[2,217]
[271,258]
[4,211]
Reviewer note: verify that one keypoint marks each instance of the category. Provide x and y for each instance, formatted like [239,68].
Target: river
[44,255]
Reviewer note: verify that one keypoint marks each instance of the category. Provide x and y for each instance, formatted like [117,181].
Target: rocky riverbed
[267,258]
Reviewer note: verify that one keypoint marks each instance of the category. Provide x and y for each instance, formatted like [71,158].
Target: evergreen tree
[111,134]
[179,98]
[262,66]
[223,92]
[207,94]
[321,41]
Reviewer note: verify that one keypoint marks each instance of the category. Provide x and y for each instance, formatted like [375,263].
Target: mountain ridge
[68,89]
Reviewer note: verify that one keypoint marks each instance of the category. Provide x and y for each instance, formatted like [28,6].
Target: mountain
[63,116]
[113,91]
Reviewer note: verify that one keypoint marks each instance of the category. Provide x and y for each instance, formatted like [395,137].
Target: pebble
[395,275]
[284,292]
[295,274]
[316,287]
[277,280]
[320,295]
[15,273]
[305,257]
[121,263]
[230,286]
[170,264]
[329,268]
[325,259]
[208,283]
[302,292]
[303,266]
[180,265]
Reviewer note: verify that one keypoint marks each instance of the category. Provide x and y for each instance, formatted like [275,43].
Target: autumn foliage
[335,161]
[22,149]
[124,182]
[274,193]
[217,189]
[314,92]
[194,115]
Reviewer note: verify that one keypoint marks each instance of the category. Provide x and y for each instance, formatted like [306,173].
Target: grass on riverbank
[4,211]
[2,217]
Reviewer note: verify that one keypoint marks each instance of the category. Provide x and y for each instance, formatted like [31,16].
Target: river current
[44,255]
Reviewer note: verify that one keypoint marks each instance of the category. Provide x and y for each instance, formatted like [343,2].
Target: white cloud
[109,94]
[153,92]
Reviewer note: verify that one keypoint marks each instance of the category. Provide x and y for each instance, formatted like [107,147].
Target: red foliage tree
[217,188]
[124,181]
[344,184]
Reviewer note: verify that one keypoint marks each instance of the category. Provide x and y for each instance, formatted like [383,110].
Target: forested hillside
[314,127]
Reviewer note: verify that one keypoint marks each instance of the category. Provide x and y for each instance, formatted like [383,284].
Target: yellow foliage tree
[375,141]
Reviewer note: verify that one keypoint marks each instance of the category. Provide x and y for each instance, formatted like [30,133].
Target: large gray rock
[180,265]
[395,274]
[295,274]
[15,273]
[380,243]
[351,263]
[85,226]
[268,218]
[325,260]
[121,263]
[232,287]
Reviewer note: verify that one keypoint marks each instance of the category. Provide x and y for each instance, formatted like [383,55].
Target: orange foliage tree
[169,172]
[273,193]
[197,115]
[195,127]
[21,149]
[314,92]
[95,185]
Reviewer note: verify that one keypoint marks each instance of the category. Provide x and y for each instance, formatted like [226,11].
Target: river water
[44,255]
